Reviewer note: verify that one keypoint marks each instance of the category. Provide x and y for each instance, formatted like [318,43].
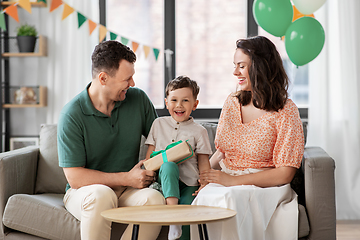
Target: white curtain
[69,53]
[334,100]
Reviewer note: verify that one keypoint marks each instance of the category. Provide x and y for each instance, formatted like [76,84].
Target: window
[196,38]
[206,34]
[141,21]
[298,76]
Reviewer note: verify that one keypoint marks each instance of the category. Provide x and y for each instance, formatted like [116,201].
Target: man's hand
[140,178]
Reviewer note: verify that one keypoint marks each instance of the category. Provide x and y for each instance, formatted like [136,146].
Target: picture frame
[20,142]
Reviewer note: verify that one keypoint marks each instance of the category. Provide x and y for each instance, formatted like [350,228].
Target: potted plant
[26,37]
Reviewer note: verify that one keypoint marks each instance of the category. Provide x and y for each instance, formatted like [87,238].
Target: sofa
[32,188]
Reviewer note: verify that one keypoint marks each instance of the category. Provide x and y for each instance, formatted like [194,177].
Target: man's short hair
[182,82]
[107,56]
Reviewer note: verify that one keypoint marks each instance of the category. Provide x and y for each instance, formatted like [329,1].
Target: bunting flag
[81,19]
[67,11]
[25,4]
[12,12]
[102,33]
[113,36]
[92,26]
[146,51]
[124,40]
[135,46]
[55,4]
[156,53]
[2,22]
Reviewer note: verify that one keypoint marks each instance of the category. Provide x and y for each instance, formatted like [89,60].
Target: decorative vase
[26,43]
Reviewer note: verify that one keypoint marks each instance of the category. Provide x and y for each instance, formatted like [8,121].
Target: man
[99,134]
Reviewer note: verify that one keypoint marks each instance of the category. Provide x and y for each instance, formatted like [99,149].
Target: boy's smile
[180,103]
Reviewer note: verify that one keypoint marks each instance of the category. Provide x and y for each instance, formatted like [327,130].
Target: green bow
[163,152]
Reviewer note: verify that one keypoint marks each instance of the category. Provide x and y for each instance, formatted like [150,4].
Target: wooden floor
[348,230]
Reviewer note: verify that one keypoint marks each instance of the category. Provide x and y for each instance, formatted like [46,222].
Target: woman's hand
[217,176]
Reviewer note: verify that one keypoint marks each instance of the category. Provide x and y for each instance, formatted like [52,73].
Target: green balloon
[274,16]
[304,40]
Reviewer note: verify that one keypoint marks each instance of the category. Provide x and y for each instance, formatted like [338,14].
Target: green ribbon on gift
[163,152]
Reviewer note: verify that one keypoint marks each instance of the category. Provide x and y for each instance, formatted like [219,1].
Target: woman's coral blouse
[275,139]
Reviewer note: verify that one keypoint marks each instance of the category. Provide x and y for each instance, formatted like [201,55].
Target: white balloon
[308,6]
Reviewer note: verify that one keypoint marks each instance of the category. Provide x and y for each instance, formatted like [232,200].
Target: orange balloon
[297,14]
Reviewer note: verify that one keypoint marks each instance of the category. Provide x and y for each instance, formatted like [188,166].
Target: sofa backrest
[50,177]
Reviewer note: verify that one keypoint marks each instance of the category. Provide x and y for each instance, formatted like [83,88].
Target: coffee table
[168,215]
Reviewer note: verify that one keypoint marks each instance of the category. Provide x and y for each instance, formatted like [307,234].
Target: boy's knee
[169,167]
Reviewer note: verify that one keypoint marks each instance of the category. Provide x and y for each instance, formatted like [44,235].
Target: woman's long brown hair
[269,82]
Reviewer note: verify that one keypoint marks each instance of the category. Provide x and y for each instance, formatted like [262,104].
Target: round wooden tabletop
[168,214]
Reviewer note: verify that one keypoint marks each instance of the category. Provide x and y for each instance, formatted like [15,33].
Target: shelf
[42,101]
[34,4]
[42,50]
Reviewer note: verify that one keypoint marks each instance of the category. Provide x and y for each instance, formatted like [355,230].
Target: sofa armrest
[319,170]
[18,171]
[17,175]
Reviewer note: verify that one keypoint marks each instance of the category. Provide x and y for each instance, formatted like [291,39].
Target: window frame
[169,43]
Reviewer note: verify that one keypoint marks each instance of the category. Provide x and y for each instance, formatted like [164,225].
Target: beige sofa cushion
[50,177]
[303,223]
[211,130]
[41,215]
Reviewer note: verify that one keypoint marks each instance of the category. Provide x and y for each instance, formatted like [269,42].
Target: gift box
[177,152]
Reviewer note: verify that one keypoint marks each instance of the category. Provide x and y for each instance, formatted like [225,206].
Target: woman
[260,144]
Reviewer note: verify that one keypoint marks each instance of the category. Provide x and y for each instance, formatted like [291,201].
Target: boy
[180,182]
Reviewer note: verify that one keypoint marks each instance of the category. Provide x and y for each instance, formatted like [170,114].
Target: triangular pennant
[12,12]
[113,36]
[102,32]
[44,1]
[135,46]
[146,50]
[81,19]
[156,53]
[25,4]
[2,22]
[55,4]
[124,40]
[297,14]
[67,11]
[92,26]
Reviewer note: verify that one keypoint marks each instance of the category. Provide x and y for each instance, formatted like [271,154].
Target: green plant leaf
[26,30]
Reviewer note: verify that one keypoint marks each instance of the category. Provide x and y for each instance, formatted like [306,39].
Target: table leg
[200,232]
[205,232]
[135,232]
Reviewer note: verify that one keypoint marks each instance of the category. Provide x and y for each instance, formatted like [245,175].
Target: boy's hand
[202,185]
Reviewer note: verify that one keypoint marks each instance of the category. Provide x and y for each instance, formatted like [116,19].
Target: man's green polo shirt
[87,137]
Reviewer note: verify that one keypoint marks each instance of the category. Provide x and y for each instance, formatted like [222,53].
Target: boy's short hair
[182,82]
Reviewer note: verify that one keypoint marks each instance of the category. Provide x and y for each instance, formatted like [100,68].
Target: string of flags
[12,11]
